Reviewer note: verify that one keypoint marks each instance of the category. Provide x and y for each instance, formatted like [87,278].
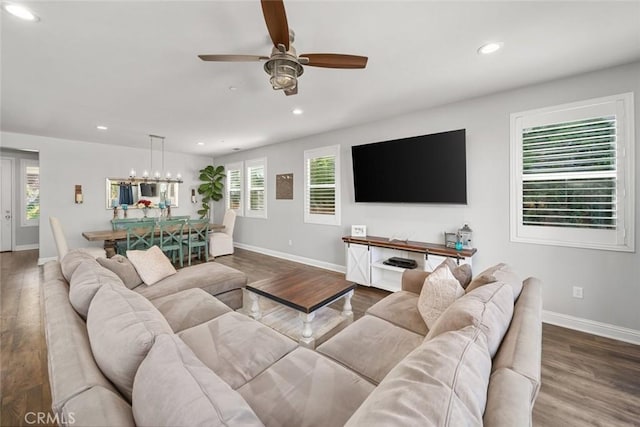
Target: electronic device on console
[401,262]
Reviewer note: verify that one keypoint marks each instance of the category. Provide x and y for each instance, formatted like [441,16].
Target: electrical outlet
[290,242]
[577,292]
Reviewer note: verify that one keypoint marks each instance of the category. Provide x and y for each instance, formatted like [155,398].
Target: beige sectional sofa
[185,358]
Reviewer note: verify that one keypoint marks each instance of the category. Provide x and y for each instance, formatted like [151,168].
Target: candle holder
[115,212]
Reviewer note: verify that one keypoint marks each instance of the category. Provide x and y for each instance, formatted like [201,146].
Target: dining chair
[121,224]
[197,237]
[61,241]
[140,235]
[171,238]
[221,242]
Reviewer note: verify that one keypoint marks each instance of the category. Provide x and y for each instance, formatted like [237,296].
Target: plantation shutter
[32,193]
[569,174]
[321,194]
[234,189]
[256,188]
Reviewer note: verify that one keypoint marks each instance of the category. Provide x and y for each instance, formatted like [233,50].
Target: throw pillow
[122,327]
[497,273]
[440,290]
[185,392]
[461,272]
[72,260]
[152,265]
[489,308]
[87,279]
[123,268]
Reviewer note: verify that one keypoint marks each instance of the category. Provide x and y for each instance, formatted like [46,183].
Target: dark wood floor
[586,380]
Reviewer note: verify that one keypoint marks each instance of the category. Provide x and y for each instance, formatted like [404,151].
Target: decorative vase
[145,211]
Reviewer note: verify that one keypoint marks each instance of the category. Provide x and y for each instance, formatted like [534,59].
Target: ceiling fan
[284,65]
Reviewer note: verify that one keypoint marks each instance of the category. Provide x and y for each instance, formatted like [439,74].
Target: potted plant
[212,178]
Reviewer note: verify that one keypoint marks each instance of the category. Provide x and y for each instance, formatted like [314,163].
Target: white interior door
[6,208]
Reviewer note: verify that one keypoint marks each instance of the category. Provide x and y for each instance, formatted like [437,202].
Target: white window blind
[322,187]
[234,188]
[256,188]
[572,174]
[30,193]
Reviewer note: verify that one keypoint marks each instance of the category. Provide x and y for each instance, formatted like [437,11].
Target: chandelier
[158,175]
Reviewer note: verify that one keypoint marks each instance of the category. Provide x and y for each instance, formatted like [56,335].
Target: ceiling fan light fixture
[284,73]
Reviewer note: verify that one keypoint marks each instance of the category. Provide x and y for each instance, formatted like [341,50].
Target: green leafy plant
[212,178]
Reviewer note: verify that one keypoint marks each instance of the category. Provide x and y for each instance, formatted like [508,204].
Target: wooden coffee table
[305,292]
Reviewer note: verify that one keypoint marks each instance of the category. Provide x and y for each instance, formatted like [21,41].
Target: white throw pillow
[440,290]
[152,265]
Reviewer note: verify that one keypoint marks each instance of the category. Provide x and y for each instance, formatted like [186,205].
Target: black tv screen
[422,169]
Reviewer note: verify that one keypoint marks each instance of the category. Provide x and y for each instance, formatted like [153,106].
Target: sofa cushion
[189,308]
[152,264]
[236,347]
[174,388]
[497,273]
[443,382]
[401,309]
[88,277]
[72,260]
[489,307]
[461,272]
[305,389]
[371,347]
[72,367]
[440,290]
[212,277]
[97,407]
[122,327]
[123,268]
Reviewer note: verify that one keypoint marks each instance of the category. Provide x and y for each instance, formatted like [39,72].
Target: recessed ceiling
[134,65]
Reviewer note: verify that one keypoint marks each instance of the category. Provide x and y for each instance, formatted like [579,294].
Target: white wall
[610,279]
[25,237]
[65,163]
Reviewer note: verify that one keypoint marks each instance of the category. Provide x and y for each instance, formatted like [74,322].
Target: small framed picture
[358,231]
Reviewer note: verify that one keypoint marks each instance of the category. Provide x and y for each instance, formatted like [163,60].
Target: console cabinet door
[358,264]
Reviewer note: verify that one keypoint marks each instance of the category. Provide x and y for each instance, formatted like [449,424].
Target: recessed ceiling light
[200,143]
[20,12]
[101,127]
[297,111]
[490,48]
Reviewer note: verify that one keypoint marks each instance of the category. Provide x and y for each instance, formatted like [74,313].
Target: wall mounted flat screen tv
[422,169]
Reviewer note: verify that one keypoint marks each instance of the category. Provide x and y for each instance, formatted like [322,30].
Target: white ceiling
[132,66]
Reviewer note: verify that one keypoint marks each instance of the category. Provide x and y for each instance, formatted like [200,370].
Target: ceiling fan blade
[293,91]
[233,58]
[335,60]
[276,19]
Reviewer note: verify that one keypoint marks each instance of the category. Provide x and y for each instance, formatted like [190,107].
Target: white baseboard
[47,259]
[592,327]
[295,258]
[26,247]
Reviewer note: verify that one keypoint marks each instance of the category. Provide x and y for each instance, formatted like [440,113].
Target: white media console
[366,256]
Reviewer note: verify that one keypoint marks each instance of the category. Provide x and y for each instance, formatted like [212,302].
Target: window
[572,174]
[30,193]
[322,185]
[256,188]
[234,188]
